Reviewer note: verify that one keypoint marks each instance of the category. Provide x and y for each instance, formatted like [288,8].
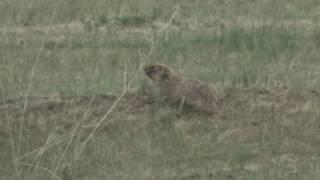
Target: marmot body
[177,88]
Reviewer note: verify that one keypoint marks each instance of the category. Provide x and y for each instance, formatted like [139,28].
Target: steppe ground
[76,105]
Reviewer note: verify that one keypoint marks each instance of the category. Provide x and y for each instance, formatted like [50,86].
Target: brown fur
[177,88]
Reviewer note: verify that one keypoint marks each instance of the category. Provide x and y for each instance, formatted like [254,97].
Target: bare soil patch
[242,104]
[37,111]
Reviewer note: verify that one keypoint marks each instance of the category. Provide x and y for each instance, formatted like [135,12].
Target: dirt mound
[69,110]
[39,111]
[130,102]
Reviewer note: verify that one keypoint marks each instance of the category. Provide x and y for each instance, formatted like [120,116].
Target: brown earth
[76,109]
[235,103]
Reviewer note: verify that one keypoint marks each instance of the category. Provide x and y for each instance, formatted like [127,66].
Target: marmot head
[158,72]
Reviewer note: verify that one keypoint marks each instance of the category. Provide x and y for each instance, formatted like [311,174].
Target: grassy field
[65,66]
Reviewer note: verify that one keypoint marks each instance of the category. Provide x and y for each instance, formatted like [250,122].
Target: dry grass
[75,104]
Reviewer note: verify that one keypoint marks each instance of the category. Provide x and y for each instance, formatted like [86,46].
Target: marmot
[174,87]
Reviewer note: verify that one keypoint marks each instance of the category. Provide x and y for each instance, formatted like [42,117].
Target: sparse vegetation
[65,63]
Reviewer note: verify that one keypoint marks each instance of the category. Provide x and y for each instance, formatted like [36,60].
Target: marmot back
[177,88]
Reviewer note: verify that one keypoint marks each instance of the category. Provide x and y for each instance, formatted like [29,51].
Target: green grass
[246,46]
